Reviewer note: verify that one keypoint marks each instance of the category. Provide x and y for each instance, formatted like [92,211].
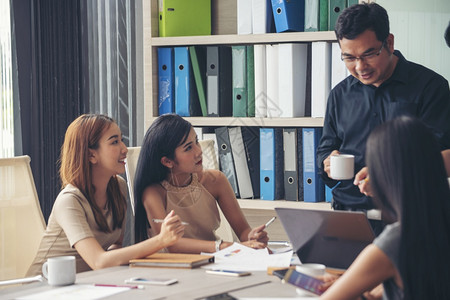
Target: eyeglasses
[367,57]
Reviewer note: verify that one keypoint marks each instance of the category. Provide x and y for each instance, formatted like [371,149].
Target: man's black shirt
[355,109]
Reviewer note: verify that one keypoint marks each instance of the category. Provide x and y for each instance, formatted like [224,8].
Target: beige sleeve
[72,217]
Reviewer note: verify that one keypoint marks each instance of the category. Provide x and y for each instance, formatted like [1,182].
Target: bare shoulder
[152,193]
[207,177]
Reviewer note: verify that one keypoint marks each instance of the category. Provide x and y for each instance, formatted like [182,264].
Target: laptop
[333,238]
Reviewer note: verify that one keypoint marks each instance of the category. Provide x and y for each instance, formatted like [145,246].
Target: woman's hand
[375,294]
[254,244]
[258,234]
[328,280]
[362,181]
[171,229]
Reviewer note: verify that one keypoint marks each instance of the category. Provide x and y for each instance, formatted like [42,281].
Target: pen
[121,285]
[270,222]
[161,220]
[364,180]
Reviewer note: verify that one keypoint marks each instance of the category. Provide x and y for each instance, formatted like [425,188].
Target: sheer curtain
[73,57]
[6,88]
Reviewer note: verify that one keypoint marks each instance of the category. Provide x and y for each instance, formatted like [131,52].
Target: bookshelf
[223,16]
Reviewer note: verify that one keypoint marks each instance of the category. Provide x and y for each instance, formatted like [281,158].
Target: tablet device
[329,237]
[303,281]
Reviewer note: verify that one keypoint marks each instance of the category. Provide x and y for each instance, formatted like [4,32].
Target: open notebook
[332,238]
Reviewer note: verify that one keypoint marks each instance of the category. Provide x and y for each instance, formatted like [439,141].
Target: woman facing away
[88,216]
[170,176]
[409,183]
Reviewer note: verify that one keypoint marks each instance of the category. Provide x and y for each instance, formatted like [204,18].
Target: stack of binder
[335,8]
[198,59]
[313,186]
[166,99]
[320,78]
[186,97]
[243,81]
[271,163]
[180,81]
[184,18]
[238,157]
[289,15]
[219,85]
[293,177]
[254,17]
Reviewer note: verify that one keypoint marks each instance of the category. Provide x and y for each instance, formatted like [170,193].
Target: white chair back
[210,161]
[22,224]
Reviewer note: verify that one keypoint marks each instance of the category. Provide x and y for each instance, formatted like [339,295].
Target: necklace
[174,181]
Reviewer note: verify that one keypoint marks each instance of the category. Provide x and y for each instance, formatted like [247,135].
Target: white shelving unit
[269,205]
[223,16]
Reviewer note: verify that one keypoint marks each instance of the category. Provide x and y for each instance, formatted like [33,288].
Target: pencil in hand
[161,220]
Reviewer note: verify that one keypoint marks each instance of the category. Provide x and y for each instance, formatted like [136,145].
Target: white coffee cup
[60,270]
[342,166]
[310,269]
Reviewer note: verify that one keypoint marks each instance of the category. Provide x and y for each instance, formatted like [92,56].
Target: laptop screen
[332,238]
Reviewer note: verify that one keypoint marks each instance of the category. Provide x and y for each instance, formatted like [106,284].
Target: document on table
[77,292]
[241,258]
[284,298]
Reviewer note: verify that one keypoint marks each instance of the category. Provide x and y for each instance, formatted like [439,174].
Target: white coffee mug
[342,166]
[60,270]
[310,269]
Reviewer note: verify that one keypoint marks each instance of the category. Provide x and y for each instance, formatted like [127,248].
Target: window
[6,99]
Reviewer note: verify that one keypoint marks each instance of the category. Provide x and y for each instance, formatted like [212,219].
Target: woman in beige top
[88,215]
[170,176]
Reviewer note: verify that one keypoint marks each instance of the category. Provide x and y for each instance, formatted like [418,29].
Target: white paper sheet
[77,292]
[241,258]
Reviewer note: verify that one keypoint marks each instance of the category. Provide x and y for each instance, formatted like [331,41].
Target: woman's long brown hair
[83,134]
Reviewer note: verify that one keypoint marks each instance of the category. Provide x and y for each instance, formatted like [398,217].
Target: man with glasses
[383,85]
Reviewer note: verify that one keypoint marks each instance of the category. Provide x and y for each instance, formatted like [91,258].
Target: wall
[418,27]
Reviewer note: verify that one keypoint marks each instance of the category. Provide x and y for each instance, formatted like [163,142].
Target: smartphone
[228,273]
[280,273]
[152,281]
[303,281]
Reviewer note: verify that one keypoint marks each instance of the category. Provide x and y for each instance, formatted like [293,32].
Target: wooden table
[192,284]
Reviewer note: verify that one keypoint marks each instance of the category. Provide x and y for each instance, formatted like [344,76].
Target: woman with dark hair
[170,176]
[88,215]
[408,180]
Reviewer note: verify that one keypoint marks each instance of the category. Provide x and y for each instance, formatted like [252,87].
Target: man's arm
[328,143]
[435,111]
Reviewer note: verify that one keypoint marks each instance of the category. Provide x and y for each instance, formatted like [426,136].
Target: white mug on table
[60,270]
[310,269]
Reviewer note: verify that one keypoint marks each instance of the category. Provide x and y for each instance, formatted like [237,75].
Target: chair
[21,221]
[209,155]
[130,170]
[209,162]
[224,231]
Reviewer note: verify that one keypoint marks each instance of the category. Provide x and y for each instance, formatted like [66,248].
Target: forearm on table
[195,246]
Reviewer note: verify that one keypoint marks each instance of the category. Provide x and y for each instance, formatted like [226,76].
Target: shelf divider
[235,39]
[270,205]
